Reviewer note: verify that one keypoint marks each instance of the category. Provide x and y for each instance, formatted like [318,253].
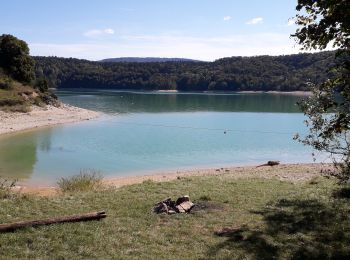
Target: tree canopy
[15,59]
[324,23]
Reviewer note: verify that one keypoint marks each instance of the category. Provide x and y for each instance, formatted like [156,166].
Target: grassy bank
[275,219]
[19,97]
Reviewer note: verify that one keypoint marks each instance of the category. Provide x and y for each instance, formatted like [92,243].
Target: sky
[196,29]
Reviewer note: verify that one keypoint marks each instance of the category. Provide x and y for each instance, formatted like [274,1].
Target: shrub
[6,188]
[6,83]
[42,85]
[87,180]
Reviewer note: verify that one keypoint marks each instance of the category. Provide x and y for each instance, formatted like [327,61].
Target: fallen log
[269,163]
[73,218]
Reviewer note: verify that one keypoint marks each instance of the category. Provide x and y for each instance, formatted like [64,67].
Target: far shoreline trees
[260,73]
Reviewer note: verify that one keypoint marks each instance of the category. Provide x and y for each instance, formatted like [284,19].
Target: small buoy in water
[224,132]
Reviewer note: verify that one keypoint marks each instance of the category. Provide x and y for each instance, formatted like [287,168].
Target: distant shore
[174,91]
[11,122]
[295,93]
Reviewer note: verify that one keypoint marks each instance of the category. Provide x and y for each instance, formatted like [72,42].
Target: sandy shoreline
[11,122]
[284,172]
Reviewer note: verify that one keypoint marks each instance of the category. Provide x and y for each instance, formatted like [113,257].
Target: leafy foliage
[323,22]
[15,58]
[42,85]
[264,73]
[6,83]
[326,22]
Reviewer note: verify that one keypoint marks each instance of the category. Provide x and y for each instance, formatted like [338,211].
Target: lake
[149,132]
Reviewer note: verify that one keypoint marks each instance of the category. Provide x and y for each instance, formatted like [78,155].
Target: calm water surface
[142,133]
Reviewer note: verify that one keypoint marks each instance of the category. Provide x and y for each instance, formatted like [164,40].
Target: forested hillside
[146,59]
[283,73]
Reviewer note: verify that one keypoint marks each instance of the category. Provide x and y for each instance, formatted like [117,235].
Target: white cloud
[96,33]
[227,18]
[291,22]
[202,48]
[108,31]
[255,20]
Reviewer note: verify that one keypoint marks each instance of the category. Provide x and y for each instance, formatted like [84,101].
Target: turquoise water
[141,133]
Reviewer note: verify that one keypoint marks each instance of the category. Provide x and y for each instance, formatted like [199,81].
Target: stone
[182,199]
[185,206]
[168,206]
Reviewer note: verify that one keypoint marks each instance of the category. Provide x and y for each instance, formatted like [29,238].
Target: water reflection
[19,153]
[126,102]
[44,142]
[17,157]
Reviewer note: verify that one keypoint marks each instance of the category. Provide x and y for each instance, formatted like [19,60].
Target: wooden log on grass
[269,163]
[73,218]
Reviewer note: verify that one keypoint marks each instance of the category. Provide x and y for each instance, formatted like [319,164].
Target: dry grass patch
[87,180]
[6,188]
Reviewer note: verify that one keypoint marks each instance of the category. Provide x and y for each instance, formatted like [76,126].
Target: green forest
[259,73]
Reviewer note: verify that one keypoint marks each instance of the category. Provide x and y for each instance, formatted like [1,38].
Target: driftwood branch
[269,163]
[72,218]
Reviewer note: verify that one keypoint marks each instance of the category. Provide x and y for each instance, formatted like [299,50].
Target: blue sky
[198,29]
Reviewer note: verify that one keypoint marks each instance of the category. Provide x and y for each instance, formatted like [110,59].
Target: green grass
[87,180]
[277,220]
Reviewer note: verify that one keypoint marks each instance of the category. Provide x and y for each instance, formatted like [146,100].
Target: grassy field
[271,219]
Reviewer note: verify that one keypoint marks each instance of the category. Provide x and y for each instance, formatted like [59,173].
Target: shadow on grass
[342,193]
[294,229]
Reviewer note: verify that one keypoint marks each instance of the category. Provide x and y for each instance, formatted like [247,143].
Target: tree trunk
[73,218]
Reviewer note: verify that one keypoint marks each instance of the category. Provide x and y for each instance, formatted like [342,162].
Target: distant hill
[147,59]
[260,73]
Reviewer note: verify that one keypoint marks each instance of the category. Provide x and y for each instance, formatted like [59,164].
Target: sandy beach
[285,172]
[11,122]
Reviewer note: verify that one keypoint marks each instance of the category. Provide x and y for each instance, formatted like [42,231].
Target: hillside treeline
[281,73]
